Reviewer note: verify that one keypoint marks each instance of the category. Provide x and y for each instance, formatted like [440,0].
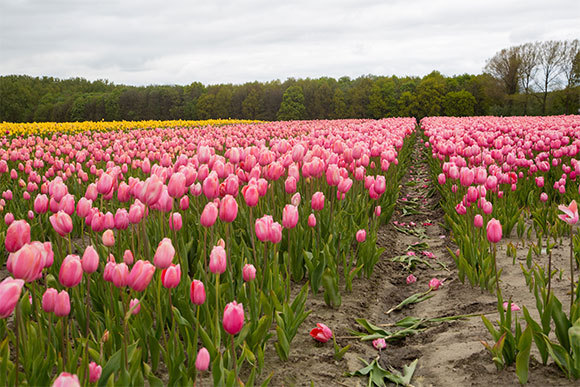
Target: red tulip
[321,333]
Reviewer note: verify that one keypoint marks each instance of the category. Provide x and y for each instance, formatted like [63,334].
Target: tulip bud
[494,231]
[249,272]
[171,276]
[164,254]
[311,220]
[90,261]
[202,360]
[233,319]
[361,236]
[109,238]
[94,372]
[218,260]
[197,292]
[62,304]
[135,306]
[17,235]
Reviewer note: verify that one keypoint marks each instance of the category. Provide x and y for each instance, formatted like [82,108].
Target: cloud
[179,42]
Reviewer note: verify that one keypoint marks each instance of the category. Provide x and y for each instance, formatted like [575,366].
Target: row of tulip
[150,255]
[59,128]
[499,172]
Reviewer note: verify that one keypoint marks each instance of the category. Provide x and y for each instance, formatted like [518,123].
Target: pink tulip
[10,290]
[9,218]
[171,276]
[175,221]
[94,372]
[197,292]
[361,236]
[49,300]
[251,195]
[290,185]
[109,238]
[233,319]
[61,222]
[249,272]
[411,279]
[321,333]
[228,209]
[17,235]
[275,233]
[71,271]
[164,254]
[140,275]
[435,283]
[27,263]
[296,199]
[121,219]
[217,260]
[120,275]
[176,186]
[494,231]
[209,215]
[290,216]
[317,201]
[184,203]
[570,213]
[311,220]
[514,307]
[543,197]
[128,257]
[62,304]
[90,261]
[135,306]
[202,360]
[478,221]
[41,204]
[262,229]
[66,380]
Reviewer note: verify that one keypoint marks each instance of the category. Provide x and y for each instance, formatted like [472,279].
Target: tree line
[531,79]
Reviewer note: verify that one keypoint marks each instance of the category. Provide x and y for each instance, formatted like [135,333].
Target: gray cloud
[178,42]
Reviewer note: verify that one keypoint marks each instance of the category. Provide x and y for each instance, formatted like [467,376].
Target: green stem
[217,307]
[571,270]
[235,360]
[16,333]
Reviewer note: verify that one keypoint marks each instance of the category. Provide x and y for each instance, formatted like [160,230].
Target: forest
[541,78]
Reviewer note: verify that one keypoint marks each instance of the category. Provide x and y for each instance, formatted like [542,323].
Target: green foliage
[292,107]
[459,104]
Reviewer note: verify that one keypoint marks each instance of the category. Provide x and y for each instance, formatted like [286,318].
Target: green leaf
[113,365]
[523,356]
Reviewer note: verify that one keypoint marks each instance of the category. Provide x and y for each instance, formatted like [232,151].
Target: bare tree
[571,74]
[551,56]
[505,65]
[528,68]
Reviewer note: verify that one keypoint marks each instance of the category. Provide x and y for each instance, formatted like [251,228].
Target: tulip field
[154,255]
[222,252]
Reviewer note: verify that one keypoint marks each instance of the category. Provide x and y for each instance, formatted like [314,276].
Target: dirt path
[450,353]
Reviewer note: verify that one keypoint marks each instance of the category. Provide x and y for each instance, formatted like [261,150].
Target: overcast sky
[143,42]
